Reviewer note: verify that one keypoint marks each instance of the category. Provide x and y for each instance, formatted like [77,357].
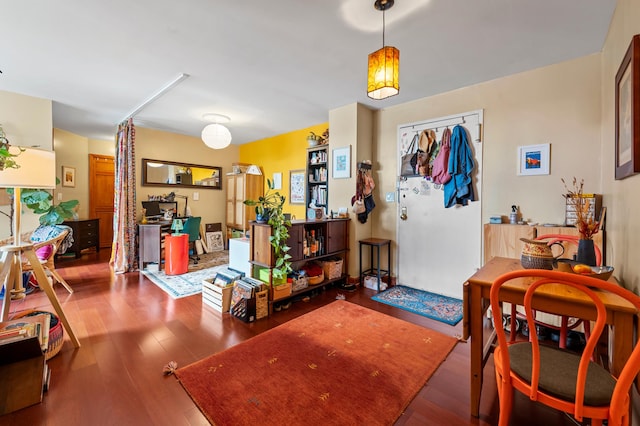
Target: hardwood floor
[129,329]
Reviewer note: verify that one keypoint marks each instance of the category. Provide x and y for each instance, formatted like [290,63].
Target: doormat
[435,306]
[341,364]
[182,285]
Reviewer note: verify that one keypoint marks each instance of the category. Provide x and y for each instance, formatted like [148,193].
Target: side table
[176,254]
[374,269]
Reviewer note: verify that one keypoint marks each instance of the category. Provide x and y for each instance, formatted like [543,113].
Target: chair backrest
[192,227]
[537,280]
[572,239]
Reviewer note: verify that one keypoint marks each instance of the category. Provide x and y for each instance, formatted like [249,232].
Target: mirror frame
[145,182]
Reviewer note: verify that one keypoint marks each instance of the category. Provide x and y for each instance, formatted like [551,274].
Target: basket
[317,279]
[56,332]
[281,291]
[299,283]
[332,268]
[262,304]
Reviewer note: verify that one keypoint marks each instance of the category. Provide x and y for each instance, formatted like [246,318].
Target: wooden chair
[48,260]
[556,377]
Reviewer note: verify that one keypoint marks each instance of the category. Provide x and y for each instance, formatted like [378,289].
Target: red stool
[176,254]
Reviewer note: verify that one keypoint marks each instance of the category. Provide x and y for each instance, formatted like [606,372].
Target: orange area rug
[341,364]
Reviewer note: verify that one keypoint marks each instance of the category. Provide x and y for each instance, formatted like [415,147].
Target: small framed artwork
[341,162]
[277,180]
[533,160]
[627,104]
[296,187]
[69,176]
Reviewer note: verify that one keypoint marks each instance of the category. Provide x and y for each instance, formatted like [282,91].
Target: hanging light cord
[383,22]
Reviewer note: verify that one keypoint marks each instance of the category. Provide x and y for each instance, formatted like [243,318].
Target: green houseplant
[7,159]
[271,204]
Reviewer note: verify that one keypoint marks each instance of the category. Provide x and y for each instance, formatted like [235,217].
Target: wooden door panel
[101,192]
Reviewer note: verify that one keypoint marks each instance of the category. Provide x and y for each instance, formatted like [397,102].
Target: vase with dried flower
[586,222]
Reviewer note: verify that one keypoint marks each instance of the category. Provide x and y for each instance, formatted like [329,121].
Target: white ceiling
[272,66]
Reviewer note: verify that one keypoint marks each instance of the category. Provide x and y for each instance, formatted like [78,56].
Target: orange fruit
[582,269]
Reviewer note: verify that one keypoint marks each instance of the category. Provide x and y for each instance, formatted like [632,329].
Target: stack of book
[27,327]
[216,291]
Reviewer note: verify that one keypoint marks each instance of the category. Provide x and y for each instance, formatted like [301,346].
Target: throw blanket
[47,232]
[459,190]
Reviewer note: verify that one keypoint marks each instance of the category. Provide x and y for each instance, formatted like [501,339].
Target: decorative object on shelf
[533,160]
[341,162]
[315,140]
[216,135]
[383,66]
[273,203]
[176,226]
[627,157]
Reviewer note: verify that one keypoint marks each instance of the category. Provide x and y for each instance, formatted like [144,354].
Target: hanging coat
[459,190]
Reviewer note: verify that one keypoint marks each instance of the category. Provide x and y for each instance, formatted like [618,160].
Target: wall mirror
[170,173]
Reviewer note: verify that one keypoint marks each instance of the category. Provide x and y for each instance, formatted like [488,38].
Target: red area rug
[341,364]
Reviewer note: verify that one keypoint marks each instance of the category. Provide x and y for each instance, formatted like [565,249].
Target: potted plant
[272,204]
[586,223]
[7,158]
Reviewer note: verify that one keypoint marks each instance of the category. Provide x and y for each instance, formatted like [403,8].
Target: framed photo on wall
[296,187]
[69,176]
[627,104]
[533,160]
[341,162]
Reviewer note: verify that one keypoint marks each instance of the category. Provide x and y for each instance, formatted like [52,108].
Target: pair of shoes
[348,287]
[286,305]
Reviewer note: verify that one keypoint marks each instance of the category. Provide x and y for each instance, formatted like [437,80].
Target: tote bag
[410,159]
[441,164]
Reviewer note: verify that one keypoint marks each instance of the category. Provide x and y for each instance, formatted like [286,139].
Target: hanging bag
[410,159]
[440,173]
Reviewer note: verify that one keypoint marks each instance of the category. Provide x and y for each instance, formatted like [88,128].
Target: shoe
[277,307]
[286,305]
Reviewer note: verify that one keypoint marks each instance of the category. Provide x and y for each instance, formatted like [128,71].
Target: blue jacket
[459,190]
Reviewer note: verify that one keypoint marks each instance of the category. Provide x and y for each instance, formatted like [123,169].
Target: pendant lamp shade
[384,68]
[216,136]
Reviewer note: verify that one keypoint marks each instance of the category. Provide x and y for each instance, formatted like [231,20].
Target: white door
[438,247]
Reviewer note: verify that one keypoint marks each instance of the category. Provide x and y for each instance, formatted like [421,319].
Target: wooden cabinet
[240,187]
[503,240]
[317,177]
[334,237]
[86,234]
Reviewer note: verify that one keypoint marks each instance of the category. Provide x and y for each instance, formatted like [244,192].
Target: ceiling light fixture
[384,64]
[215,135]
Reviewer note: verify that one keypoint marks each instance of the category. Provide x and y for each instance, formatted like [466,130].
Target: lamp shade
[384,69]
[216,136]
[177,226]
[37,170]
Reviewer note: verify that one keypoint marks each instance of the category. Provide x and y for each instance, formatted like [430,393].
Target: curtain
[124,246]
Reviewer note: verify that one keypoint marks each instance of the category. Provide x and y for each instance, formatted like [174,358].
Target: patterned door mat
[435,306]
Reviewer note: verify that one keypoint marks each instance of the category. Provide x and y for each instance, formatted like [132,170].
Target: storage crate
[299,283]
[281,291]
[332,269]
[262,304]
[263,274]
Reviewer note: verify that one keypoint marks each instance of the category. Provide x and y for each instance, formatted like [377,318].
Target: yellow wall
[282,154]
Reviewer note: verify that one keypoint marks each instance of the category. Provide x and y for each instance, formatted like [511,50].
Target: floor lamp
[37,170]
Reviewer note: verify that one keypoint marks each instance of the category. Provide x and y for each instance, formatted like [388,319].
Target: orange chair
[553,376]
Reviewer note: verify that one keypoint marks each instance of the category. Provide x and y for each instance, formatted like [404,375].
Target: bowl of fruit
[575,267]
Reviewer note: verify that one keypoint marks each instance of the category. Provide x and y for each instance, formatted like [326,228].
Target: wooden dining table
[620,316]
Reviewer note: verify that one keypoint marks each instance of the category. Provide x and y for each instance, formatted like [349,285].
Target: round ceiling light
[216,136]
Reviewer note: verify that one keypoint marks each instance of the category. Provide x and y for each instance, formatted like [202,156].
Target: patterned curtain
[124,247]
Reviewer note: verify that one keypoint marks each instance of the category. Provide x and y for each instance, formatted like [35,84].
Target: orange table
[620,314]
[176,254]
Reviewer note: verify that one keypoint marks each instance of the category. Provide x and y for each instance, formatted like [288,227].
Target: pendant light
[384,64]
[215,135]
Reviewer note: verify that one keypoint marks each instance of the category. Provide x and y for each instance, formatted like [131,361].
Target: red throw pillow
[44,252]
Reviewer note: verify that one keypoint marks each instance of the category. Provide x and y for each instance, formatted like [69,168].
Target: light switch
[390,197]
[59,196]
[196,196]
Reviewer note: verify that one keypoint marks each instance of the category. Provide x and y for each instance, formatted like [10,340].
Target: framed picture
[296,187]
[69,176]
[277,180]
[341,162]
[533,160]
[627,156]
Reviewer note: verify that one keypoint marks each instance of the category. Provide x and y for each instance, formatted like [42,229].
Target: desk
[620,314]
[150,242]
